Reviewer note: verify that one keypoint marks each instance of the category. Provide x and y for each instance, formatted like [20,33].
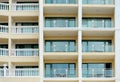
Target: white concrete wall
[117,55]
[41,40]
[80,40]
[117,40]
[117,14]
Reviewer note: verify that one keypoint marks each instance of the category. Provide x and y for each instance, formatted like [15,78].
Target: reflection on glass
[60,70]
[96,46]
[60,46]
[97,70]
[60,1]
[60,22]
[97,1]
[96,23]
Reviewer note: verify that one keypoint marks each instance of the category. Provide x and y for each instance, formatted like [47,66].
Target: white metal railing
[3,29]
[25,52]
[63,72]
[25,72]
[3,52]
[25,29]
[4,72]
[4,6]
[97,72]
[26,7]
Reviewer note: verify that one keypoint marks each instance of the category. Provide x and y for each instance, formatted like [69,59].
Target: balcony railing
[60,24]
[60,1]
[25,52]
[19,72]
[96,24]
[25,7]
[63,73]
[1,72]
[3,29]
[97,48]
[4,6]
[97,73]
[102,2]
[3,52]
[60,48]
[25,72]
[4,72]
[25,29]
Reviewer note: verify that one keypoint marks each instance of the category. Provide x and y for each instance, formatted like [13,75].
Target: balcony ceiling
[62,55]
[60,9]
[60,32]
[97,32]
[95,9]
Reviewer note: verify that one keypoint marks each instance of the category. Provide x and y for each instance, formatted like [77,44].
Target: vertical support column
[117,55]
[117,40]
[9,39]
[79,40]
[79,13]
[80,56]
[9,31]
[41,40]
[117,14]
[10,5]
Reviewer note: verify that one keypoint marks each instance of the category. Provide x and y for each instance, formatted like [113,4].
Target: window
[27,46]
[4,46]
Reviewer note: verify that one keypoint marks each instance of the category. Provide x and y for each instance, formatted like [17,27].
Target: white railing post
[93,73]
[66,70]
[103,72]
[54,72]
[5,69]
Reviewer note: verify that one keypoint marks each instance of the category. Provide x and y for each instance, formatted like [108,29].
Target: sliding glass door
[60,70]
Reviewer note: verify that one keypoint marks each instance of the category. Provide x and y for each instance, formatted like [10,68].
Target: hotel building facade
[59,40]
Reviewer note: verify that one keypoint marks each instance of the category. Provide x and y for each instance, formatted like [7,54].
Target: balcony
[98,2]
[25,29]
[25,7]
[60,1]
[25,52]
[97,73]
[3,29]
[26,72]
[4,6]
[60,73]
[3,52]
[60,26]
[19,72]
[64,7]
